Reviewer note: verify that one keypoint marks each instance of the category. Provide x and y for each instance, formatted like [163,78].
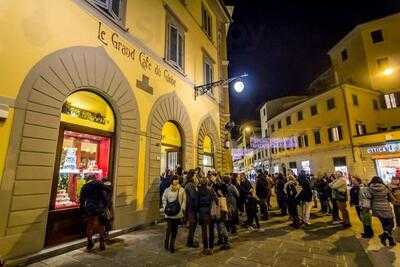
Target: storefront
[208,154]
[340,164]
[85,148]
[386,157]
[171,147]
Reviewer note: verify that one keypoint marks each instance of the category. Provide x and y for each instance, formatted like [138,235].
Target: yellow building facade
[104,88]
[332,131]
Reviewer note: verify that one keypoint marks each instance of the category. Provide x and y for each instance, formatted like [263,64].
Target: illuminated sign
[265,143]
[385,148]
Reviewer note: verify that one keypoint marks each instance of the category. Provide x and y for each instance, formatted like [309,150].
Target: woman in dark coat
[280,193]
[262,194]
[381,208]
[191,208]
[232,199]
[93,203]
[206,196]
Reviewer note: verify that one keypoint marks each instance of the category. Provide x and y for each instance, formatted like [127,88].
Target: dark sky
[283,44]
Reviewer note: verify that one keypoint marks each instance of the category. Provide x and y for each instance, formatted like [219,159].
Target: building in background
[351,119]
[104,88]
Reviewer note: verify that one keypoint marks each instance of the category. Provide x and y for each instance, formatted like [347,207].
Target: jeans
[342,206]
[171,233]
[324,204]
[93,226]
[264,208]
[192,230]
[306,210]
[207,233]
[335,210]
[387,224]
[396,209]
[251,217]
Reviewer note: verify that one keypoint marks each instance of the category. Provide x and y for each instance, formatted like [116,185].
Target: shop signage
[83,114]
[114,40]
[385,148]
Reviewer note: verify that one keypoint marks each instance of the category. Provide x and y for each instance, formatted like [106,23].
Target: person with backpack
[93,203]
[174,204]
[206,197]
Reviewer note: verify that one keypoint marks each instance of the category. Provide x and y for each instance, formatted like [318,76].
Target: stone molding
[208,127]
[167,108]
[32,150]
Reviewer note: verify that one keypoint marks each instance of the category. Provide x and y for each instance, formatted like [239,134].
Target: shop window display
[82,154]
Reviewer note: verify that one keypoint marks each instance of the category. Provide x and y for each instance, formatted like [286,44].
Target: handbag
[223,204]
[215,210]
[174,207]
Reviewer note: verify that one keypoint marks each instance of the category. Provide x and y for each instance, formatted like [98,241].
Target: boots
[383,237]
[172,245]
[166,243]
[90,244]
[391,240]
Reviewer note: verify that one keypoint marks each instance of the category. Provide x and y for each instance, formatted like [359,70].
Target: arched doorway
[171,147]
[208,154]
[85,146]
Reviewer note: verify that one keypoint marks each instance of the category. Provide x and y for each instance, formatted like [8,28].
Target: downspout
[346,108]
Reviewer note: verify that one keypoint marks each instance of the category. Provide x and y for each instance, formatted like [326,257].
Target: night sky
[283,44]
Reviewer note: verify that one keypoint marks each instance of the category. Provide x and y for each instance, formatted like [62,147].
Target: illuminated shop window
[87,130]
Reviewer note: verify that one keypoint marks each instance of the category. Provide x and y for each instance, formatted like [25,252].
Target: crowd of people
[222,203]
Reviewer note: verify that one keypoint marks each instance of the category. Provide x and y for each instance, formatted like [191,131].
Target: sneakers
[336,222]
[250,228]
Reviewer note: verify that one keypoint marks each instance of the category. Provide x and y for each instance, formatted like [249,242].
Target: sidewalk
[320,244]
[379,255]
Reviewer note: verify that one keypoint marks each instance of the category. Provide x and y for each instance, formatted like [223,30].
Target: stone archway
[167,108]
[26,184]
[208,128]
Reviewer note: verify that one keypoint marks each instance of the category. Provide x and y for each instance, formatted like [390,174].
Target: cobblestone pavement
[320,244]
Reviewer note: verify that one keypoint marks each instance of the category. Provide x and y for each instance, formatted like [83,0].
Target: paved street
[320,244]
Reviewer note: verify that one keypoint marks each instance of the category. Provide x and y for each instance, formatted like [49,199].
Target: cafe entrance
[85,147]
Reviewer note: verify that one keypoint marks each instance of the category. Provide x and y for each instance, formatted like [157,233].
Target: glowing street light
[238,85]
[388,71]
[248,129]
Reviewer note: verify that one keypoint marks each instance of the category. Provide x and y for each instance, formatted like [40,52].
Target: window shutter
[382,101]
[180,50]
[397,97]
[364,128]
[300,141]
[340,132]
[173,32]
[330,135]
[102,3]
[305,140]
[115,8]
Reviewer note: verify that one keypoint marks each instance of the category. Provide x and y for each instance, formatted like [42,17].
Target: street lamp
[238,86]
[388,71]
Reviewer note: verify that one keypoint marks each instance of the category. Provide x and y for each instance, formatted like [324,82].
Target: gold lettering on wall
[107,37]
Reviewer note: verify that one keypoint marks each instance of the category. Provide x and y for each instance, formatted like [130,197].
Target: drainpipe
[346,108]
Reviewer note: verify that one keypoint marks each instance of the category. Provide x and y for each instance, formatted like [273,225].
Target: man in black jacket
[93,203]
[262,193]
